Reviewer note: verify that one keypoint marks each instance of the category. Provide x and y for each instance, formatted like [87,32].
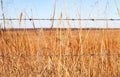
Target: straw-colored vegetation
[47,53]
[59,52]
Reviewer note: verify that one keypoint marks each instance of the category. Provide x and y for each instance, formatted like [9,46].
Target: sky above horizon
[69,8]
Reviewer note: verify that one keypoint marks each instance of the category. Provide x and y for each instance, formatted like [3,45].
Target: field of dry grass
[60,53]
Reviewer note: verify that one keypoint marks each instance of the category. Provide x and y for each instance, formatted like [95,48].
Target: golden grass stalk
[53,15]
[20,19]
[3,14]
[117,7]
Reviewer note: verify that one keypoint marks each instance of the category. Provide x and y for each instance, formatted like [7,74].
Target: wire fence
[58,55]
[55,19]
[72,19]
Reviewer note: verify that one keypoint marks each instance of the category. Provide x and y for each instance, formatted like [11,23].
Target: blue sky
[44,9]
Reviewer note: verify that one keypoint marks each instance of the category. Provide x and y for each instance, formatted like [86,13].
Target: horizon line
[59,29]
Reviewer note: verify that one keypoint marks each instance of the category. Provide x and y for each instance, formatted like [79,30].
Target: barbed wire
[72,19]
[58,55]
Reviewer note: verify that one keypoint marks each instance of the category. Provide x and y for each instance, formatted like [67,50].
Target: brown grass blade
[21,15]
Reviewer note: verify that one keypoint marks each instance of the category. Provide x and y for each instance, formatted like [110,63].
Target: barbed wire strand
[72,19]
[57,55]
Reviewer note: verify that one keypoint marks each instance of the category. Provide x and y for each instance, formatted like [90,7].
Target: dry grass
[24,53]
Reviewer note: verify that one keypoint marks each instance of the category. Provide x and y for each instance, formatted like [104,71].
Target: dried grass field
[60,53]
